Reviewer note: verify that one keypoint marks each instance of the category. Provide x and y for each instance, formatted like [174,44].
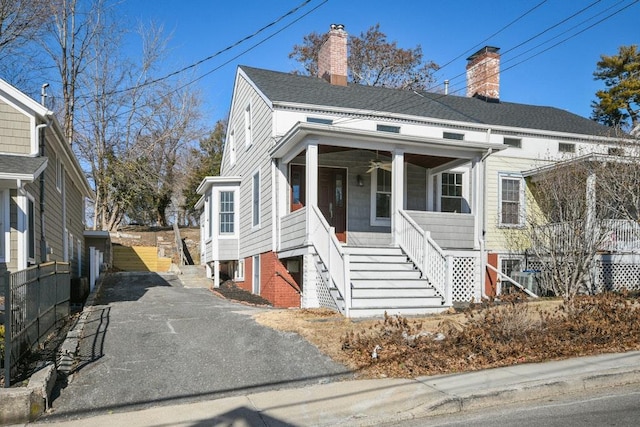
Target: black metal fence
[36,300]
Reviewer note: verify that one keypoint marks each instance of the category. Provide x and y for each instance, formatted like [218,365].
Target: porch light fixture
[359,181]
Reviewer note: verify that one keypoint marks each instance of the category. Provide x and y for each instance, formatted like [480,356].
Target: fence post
[8,314]
[448,281]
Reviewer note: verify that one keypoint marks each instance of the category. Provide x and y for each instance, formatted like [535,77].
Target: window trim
[256,200]
[218,198]
[453,136]
[5,237]
[566,147]
[502,176]
[513,142]
[30,226]
[248,125]
[374,220]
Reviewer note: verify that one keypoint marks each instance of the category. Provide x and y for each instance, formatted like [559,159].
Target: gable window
[451,195]
[255,203]
[227,212]
[387,128]
[319,120]
[247,126]
[511,204]
[381,197]
[566,148]
[513,142]
[453,135]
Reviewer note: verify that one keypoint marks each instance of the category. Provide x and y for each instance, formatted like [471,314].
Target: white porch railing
[621,235]
[425,253]
[331,253]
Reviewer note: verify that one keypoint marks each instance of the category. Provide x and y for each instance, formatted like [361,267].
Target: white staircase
[383,279]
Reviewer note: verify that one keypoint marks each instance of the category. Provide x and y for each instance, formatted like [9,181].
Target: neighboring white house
[369,199]
[42,188]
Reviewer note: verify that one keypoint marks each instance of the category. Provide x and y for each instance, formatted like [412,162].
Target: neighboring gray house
[42,188]
[369,199]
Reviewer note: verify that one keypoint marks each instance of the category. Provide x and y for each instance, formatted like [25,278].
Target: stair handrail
[425,254]
[181,256]
[509,279]
[332,254]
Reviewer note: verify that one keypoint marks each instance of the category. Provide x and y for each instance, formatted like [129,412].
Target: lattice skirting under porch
[466,279]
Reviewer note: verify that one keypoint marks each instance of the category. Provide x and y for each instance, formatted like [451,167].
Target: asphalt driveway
[149,341]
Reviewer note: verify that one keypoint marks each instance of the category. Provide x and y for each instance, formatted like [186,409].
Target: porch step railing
[426,254]
[331,253]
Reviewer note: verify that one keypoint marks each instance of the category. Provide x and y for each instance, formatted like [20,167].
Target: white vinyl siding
[255,200]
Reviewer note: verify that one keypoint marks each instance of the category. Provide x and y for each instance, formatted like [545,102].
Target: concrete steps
[194,276]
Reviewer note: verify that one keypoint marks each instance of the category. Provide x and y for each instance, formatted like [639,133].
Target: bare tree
[74,27]
[373,60]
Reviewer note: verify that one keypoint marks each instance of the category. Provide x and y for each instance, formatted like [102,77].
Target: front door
[332,198]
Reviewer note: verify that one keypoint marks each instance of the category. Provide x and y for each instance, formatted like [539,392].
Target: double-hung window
[381,197]
[511,193]
[451,197]
[227,212]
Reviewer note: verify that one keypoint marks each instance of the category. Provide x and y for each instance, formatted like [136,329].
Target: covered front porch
[342,191]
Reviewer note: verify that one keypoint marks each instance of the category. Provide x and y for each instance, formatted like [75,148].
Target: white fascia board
[210,181]
[356,138]
[480,127]
[592,157]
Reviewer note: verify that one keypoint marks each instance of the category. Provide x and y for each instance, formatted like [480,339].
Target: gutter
[43,238]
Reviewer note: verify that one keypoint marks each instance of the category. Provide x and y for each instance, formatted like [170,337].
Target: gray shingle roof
[285,87]
[20,166]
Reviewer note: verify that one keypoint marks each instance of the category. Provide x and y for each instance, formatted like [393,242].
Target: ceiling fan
[379,164]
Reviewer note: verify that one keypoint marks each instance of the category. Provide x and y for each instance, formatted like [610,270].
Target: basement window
[387,128]
[319,120]
[453,135]
[566,148]
[513,142]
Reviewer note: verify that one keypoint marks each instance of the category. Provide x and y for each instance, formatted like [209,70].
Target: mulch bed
[230,290]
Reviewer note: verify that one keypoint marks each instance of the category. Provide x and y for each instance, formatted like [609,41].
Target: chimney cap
[486,49]
[339,27]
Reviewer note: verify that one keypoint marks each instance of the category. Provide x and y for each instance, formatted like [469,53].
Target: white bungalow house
[42,188]
[369,199]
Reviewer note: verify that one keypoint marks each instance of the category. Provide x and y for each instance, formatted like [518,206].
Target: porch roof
[588,158]
[300,135]
[21,167]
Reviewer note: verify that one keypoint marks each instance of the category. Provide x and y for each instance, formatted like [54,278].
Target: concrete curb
[24,404]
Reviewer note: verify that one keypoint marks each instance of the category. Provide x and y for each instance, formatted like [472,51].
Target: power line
[216,54]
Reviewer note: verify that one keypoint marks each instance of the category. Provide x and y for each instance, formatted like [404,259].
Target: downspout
[483,218]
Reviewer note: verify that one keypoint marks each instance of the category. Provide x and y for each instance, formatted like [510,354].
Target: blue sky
[561,77]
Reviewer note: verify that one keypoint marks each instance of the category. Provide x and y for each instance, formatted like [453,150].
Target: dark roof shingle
[286,87]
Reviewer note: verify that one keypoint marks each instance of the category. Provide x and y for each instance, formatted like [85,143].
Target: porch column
[397,192]
[311,179]
[590,214]
[280,194]
[216,274]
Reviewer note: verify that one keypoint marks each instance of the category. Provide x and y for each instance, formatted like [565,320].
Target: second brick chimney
[483,74]
[332,57]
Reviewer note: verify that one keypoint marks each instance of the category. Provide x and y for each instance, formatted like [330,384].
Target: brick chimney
[332,57]
[483,74]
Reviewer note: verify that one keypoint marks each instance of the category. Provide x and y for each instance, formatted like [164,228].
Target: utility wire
[216,54]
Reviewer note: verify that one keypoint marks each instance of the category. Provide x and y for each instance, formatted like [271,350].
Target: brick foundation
[273,281]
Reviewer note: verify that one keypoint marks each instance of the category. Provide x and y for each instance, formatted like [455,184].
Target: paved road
[149,341]
[615,406]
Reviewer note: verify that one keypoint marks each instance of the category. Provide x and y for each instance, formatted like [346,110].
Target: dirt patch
[230,290]
[161,237]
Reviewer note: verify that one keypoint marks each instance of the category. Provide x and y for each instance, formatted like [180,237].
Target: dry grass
[483,336]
